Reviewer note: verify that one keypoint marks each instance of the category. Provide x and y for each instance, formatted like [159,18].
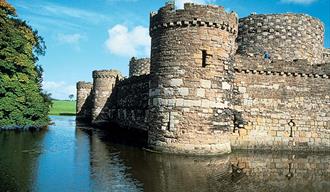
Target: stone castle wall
[285,105]
[139,67]
[203,96]
[284,36]
[103,83]
[84,100]
[129,103]
[190,78]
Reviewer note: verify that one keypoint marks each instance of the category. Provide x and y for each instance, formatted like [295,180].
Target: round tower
[139,67]
[191,74]
[103,83]
[284,36]
[84,101]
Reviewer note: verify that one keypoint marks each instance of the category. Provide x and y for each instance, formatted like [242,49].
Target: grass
[63,107]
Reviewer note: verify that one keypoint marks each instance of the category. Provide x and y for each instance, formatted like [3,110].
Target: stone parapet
[193,16]
[106,74]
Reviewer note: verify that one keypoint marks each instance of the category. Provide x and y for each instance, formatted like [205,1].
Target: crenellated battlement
[296,68]
[193,16]
[84,85]
[106,74]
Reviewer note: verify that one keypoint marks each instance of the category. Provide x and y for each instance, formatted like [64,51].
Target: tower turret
[139,67]
[103,83]
[84,100]
[191,74]
[284,36]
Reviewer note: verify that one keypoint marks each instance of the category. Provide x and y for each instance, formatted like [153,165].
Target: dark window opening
[204,56]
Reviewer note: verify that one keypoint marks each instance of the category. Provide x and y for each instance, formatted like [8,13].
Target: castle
[215,83]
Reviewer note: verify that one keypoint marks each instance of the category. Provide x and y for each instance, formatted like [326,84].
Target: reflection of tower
[82,158]
[108,171]
[103,83]
[190,86]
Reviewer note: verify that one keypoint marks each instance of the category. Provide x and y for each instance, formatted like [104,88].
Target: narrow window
[204,55]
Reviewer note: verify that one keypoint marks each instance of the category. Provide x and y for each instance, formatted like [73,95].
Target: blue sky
[86,35]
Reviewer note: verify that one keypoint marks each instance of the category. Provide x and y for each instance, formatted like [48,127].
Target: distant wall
[275,96]
[129,102]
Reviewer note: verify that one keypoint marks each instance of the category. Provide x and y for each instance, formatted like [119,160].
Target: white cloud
[123,42]
[180,3]
[59,90]
[70,38]
[305,2]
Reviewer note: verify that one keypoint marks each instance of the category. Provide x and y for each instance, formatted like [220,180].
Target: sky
[86,35]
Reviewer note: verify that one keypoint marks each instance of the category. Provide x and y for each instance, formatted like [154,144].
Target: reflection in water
[64,158]
[18,155]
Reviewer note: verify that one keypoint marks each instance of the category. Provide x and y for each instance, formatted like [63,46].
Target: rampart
[204,96]
[139,67]
[284,36]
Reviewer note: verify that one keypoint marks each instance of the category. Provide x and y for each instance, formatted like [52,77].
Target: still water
[70,158]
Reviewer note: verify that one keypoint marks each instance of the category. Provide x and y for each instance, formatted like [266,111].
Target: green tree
[22,102]
[71,96]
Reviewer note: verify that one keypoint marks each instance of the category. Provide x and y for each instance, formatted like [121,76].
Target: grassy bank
[63,107]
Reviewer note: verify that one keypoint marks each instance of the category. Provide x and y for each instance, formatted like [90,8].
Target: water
[66,158]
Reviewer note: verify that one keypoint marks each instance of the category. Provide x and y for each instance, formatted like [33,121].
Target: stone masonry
[284,36]
[208,88]
[84,100]
[139,67]
[103,83]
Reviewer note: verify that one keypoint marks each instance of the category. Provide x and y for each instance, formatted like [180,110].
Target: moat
[67,157]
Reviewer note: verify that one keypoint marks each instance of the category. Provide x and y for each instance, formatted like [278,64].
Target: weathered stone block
[176,82]
[205,83]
